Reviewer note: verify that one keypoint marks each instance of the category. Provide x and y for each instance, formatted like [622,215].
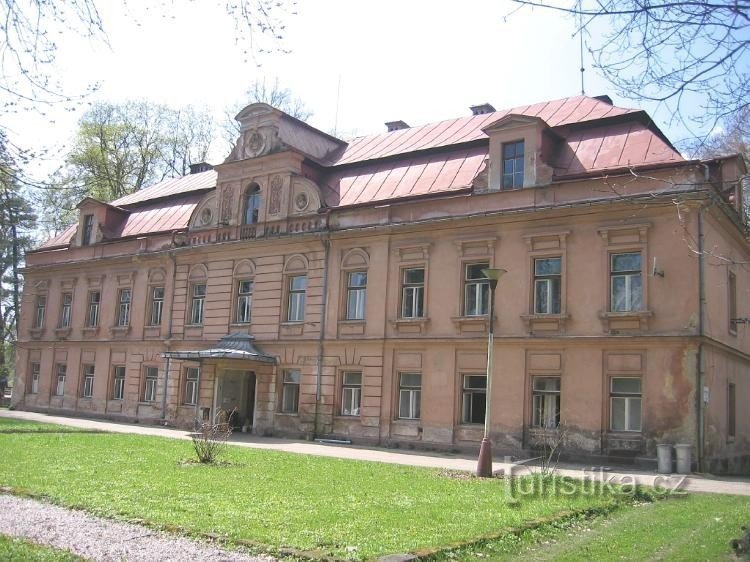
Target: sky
[355,64]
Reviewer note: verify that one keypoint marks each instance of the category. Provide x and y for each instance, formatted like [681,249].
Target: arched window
[252,204]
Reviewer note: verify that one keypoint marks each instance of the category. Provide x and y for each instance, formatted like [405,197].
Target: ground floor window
[118,384]
[474,398]
[87,390]
[191,386]
[351,393]
[149,386]
[35,370]
[409,396]
[62,370]
[731,412]
[290,391]
[625,404]
[546,402]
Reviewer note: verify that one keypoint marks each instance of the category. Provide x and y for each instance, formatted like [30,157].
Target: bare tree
[673,52]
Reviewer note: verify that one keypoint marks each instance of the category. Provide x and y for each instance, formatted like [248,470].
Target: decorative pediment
[514,121]
[206,214]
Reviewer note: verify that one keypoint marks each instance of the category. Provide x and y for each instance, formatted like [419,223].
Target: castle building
[323,288]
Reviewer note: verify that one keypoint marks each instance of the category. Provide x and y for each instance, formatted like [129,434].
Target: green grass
[339,507]
[22,551]
[10,425]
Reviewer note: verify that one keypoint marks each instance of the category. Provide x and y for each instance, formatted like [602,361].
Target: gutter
[321,338]
[168,339]
[700,375]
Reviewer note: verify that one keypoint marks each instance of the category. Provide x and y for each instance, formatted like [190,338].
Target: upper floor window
[244,301]
[88,230]
[732,282]
[412,293]
[547,285]
[625,282]
[252,204]
[197,303]
[476,290]
[513,165]
[123,307]
[66,304]
[41,309]
[92,314]
[296,298]
[157,306]
[356,295]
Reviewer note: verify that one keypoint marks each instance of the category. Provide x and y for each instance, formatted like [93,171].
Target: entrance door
[237,393]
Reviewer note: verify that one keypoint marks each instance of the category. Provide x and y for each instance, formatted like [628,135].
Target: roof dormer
[96,219]
[518,147]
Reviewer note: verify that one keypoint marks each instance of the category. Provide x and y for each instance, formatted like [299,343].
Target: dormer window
[252,204]
[88,230]
[513,164]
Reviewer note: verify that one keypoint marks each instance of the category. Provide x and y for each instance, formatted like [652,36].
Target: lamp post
[484,463]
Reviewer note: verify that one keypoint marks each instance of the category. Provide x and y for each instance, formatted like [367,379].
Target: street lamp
[484,463]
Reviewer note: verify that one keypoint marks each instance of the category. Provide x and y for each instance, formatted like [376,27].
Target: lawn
[10,425]
[15,549]
[355,509]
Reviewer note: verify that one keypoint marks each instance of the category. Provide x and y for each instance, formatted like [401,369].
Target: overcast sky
[415,60]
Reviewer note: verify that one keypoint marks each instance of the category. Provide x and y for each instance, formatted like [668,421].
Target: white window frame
[412,293]
[351,393]
[35,373]
[192,380]
[156,306]
[92,311]
[66,309]
[87,389]
[515,162]
[290,391]
[628,276]
[118,382]
[243,309]
[540,397]
[197,303]
[356,295]
[481,299]
[124,301]
[40,311]
[296,299]
[61,370]
[413,393]
[150,379]
[628,398]
[547,307]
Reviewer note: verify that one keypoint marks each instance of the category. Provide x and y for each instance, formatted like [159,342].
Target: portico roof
[231,346]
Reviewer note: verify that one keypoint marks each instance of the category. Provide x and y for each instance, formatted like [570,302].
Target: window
[123,307]
[66,304]
[41,308]
[252,204]
[625,277]
[356,293]
[197,302]
[474,398]
[118,383]
[62,370]
[412,293]
[625,404]
[290,391]
[731,412]
[88,230]
[296,304]
[409,396]
[244,301]
[35,378]
[87,390]
[157,306]
[351,394]
[92,315]
[191,386]
[546,402]
[513,165]
[547,285]
[149,386]
[732,282]
[476,290]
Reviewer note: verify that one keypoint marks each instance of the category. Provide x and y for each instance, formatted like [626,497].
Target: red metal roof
[172,186]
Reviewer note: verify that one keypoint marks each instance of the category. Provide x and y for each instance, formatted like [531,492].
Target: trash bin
[684,460]
[664,458]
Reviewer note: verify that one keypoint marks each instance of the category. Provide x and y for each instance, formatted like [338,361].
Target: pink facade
[350,277]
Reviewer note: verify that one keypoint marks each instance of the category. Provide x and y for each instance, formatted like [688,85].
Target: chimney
[396,125]
[482,109]
[605,98]
[200,167]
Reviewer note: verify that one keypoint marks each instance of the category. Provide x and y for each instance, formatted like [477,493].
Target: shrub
[210,438]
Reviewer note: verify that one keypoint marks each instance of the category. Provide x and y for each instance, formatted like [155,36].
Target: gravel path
[97,538]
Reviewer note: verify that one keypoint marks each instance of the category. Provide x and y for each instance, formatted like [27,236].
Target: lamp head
[493,275]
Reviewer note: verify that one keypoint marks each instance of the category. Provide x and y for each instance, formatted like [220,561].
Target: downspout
[168,339]
[701,328]
[319,376]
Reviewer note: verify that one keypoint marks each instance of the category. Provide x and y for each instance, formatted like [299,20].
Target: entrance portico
[242,376]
